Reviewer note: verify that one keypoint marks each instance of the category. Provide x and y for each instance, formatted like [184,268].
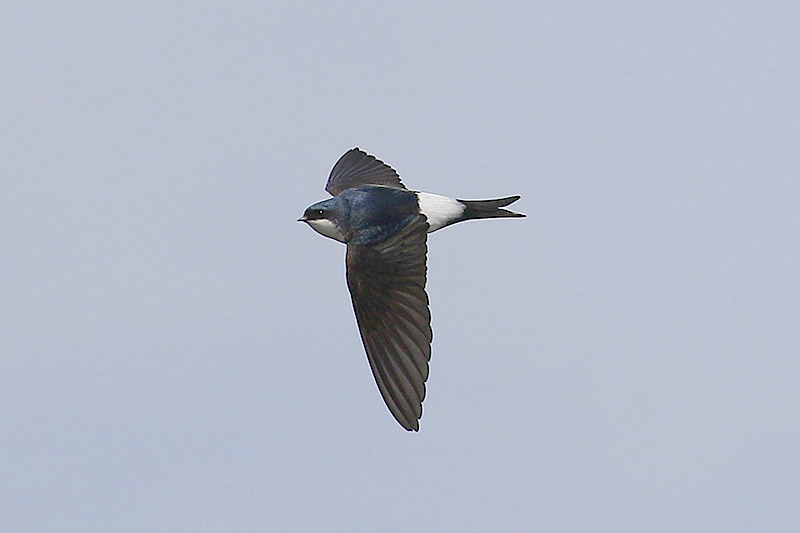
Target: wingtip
[413,427]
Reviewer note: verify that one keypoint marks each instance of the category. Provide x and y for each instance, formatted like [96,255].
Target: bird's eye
[320,212]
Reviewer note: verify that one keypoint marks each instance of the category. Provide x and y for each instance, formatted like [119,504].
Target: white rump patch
[323,226]
[439,210]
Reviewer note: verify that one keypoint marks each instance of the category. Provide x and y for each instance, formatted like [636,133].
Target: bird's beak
[303,219]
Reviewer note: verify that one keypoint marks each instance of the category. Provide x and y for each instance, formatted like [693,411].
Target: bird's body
[385,227]
[378,208]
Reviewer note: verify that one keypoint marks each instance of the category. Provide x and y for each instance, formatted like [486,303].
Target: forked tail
[489,208]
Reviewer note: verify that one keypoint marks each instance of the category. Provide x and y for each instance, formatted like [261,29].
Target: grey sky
[178,354]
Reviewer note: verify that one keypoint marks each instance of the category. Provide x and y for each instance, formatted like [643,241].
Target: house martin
[385,227]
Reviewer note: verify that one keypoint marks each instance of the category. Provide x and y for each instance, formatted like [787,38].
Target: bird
[385,227]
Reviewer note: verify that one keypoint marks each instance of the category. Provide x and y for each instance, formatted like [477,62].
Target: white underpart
[439,210]
[323,226]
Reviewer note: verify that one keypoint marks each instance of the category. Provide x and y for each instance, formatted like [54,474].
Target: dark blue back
[370,214]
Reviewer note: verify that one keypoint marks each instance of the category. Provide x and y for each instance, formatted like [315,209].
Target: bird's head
[323,218]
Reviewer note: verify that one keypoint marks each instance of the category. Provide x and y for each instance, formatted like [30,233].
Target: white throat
[323,226]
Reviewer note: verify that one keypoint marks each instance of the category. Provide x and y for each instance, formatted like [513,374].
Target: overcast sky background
[178,354]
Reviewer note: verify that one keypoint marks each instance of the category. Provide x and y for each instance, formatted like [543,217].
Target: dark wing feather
[387,285]
[357,168]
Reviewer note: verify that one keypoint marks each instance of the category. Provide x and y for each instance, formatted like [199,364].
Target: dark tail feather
[489,208]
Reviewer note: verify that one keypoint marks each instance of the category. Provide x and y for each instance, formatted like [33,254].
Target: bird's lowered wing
[356,168]
[387,285]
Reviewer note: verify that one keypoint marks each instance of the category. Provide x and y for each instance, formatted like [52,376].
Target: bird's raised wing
[356,168]
[387,285]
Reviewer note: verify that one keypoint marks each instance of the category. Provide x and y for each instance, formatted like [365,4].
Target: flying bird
[385,227]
